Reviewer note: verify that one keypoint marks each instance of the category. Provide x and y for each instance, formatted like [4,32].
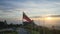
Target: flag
[26,18]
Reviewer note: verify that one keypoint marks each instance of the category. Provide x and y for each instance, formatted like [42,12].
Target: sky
[33,8]
[14,8]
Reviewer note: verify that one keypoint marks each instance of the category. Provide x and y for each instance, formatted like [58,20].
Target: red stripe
[26,18]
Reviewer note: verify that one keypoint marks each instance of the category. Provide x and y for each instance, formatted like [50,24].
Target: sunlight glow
[49,18]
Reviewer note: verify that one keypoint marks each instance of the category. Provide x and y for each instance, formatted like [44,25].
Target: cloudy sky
[14,8]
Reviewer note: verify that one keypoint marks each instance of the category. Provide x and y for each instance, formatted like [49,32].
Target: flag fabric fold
[26,18]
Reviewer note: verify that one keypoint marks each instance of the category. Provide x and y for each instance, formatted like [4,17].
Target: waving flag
[26,18]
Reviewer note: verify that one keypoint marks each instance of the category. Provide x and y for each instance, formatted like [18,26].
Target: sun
[49,18]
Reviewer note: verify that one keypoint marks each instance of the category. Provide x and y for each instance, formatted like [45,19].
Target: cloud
[54,16]
[30,7]
[10,14]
